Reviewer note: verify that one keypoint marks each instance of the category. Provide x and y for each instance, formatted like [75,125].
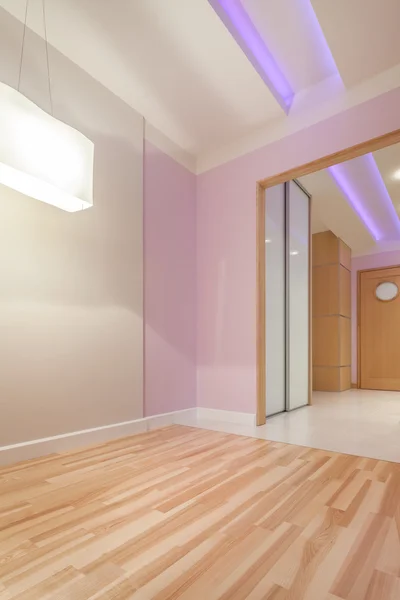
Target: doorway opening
[335,165]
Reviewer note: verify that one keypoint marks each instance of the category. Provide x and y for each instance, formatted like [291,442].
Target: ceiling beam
[241,27]
[361,183]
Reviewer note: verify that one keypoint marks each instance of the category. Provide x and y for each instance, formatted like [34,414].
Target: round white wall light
[386,291]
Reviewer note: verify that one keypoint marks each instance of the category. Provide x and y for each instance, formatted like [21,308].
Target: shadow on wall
[71,310]
[71,297]
[88,258]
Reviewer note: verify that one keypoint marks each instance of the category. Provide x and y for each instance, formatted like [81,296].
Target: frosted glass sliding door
[275,310]
[298,207]
[287,209]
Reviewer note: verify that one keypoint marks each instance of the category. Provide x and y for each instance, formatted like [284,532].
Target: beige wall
[71,285]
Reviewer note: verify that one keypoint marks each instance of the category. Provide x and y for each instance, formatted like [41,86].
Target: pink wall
[384,259]
[226,247]
[170,284]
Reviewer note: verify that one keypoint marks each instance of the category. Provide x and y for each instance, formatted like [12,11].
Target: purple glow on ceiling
[383,193]
[318,35]
[238,22]
[347,190]
[366,192]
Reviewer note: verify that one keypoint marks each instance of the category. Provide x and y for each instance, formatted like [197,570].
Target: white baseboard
[228,416]
[76,439]
[79,439]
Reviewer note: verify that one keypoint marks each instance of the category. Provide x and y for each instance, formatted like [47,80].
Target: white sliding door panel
[298,296]
[275,299]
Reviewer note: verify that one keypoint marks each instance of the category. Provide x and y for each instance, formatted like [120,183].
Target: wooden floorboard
[190,514]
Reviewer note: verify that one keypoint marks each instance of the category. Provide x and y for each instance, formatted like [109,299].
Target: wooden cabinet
[331,309]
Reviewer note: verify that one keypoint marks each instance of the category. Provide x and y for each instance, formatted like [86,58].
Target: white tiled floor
[366,423]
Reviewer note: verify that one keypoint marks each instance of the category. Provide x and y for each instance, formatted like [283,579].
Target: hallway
[361,422]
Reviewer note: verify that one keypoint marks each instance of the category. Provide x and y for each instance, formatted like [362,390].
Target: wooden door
[379,329]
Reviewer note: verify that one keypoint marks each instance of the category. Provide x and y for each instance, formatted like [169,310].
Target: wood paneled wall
[331,305]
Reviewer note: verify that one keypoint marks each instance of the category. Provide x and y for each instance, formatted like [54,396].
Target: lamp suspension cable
[47,55]
[23,45]
[46,46]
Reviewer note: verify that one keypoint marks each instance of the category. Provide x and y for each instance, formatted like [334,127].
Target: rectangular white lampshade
[42,157]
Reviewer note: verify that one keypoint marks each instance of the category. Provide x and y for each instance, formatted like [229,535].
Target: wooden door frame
[324,162]
[358,348]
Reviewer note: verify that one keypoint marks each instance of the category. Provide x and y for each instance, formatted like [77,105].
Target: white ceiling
[363,35]
[176,63]
[330,209]
[317,225]
[388,161]
[283,23]
[172,60]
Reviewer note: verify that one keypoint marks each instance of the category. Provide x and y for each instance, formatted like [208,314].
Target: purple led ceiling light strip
[314,27]
[345,185]
[383,193]
[238,22]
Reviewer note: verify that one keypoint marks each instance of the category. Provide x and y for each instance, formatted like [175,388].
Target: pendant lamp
[40,156]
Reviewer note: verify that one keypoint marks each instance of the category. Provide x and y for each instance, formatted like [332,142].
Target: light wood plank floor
[190,514]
